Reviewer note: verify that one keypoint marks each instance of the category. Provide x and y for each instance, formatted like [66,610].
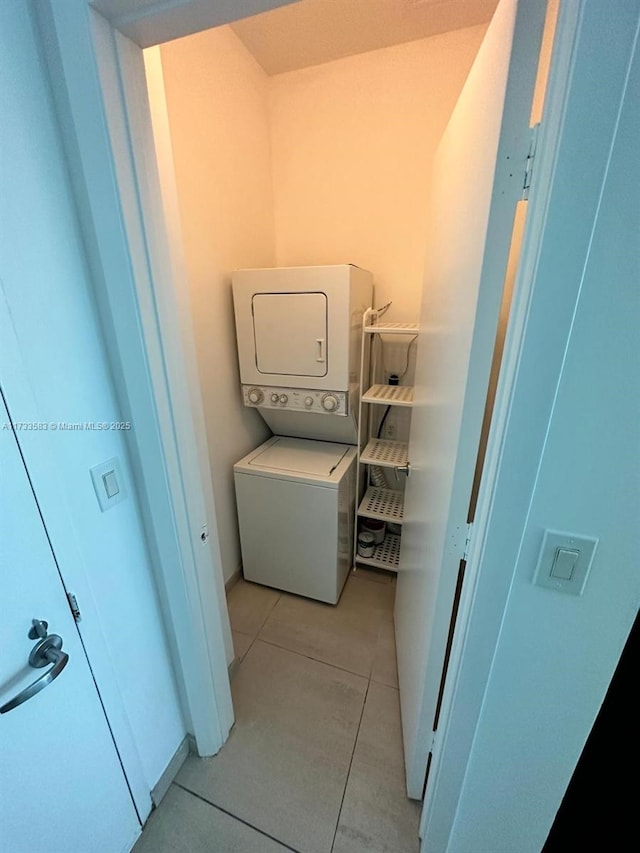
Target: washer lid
[302,456]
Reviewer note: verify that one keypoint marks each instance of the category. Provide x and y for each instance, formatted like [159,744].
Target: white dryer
[296,510]
[299,332]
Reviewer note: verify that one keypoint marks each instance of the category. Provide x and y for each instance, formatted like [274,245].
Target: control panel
[296,399]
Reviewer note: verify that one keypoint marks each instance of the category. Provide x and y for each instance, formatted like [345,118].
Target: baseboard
[233,580]
[228,586]
[171,771]
[233,666]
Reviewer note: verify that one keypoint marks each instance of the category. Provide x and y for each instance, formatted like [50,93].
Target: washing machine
[296,503]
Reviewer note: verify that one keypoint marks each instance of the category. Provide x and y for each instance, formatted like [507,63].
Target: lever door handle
[47,651]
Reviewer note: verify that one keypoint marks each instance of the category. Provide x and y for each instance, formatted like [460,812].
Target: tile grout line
[294,651]
[235,817]
[266,619]
[255,637]
[368,676]
[309,657]
[252,639]
[353,752]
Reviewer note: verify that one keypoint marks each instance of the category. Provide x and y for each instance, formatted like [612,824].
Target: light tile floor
[314,762]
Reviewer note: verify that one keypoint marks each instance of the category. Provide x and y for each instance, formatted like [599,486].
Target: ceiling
[310,32]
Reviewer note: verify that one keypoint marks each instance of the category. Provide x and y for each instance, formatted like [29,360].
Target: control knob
[308,401]
[283,398]
[330,402]
[274,398]
[255,396]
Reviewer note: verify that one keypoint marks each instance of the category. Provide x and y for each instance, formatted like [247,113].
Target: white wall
[353,142]
[45,281]
[557,653]
[216,97]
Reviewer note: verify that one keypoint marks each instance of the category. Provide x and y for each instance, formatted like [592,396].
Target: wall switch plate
[108,483]
[564,561]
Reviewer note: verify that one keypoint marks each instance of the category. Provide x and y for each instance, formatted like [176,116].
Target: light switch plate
[104,476]
[552,542]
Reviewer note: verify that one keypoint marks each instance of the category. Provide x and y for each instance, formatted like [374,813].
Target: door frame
[98,83]
[145,316]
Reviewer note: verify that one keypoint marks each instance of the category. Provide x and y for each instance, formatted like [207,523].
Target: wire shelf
[389,395]
[393,329]
[385,556]
[386,454]
[385,504]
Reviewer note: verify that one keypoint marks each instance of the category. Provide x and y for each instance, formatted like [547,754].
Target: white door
[290,332]
[62,787]
[479,172]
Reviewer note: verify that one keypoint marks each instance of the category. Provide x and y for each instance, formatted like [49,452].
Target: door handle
[47,651]
[320,349]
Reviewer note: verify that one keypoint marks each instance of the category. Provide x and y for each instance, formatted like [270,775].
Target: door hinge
[531,155]
[73,605]
[434,735]
[467,542]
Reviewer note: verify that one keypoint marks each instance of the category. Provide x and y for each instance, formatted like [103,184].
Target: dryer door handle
[320,356]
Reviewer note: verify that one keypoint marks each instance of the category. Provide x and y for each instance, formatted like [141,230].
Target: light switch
[564,563]
[110,484]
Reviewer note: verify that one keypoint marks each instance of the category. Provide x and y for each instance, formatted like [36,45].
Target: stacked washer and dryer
[299,332]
